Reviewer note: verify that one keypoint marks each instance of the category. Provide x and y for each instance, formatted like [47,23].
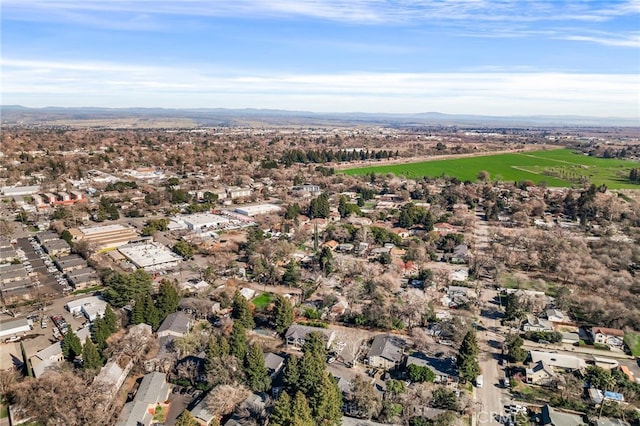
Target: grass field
[558,167]
[262,301]
[633,342]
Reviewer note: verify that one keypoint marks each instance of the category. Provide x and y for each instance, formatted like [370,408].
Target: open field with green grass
[557,167]
[633,343]
[262,301]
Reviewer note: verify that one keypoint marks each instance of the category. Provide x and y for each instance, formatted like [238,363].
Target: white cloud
[34,83]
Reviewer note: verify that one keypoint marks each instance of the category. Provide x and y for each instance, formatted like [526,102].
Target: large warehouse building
[150,256]
[105,237]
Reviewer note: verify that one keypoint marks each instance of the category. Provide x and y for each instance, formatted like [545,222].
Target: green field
[262,301]
[558,167]
[633,343]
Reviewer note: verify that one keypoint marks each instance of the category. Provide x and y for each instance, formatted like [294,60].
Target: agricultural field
[557,167]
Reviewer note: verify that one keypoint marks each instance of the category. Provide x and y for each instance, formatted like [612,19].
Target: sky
[487,57]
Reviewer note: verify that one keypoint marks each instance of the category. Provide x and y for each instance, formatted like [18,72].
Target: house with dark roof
[176,324]
[297,333]
[153,390]
[444,367]
[274,364]
[552,417]
[386,351]
[539,374]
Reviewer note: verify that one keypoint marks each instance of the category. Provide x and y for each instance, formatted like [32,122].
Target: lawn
[558,168]
[262,301]
[632,340]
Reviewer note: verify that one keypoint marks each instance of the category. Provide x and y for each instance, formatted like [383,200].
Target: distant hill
[205,117]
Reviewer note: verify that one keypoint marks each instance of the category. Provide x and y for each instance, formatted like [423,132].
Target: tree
[302,415]
[186,419]
[238,341]
[445,399]
[325,260]
[291,374]
[242,311]
[326,402]
[111,320]
[66,235]
[512,307]
[396,387]
[90,357]
[184,249]
[467,361]
[282,314]
[123,288]
[257,375]
[514,348]
[291,275]
[71,345]
[365,401]
[420,374]
[281,414]
[319,207]
[168,298]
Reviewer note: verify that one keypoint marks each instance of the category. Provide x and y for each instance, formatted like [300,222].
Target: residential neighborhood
[239,276]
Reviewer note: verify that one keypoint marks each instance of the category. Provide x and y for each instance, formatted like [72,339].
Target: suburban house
[540,374]
[176,324]
[254,405]
[536,324]
[608,336]
[386,351]
[555,360]
[556,316]
[45,358]
[274,364]
[444,368]
[201,412]
[551,417]
[460,254]
[153,390]
[297,333]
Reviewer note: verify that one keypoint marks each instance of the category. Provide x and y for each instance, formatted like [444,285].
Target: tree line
[293,156]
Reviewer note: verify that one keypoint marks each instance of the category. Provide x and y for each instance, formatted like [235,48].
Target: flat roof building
[150,256]
[258,209]
[13,327]
[106,236]
[201,221]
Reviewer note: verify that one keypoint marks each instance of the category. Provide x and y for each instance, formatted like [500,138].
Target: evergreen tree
[256,372]
[282,314]
[238,341]
[168,299]
[302,415]
[225,349]
[325,402]
[291,374]
[90,357]
[319,207]
[100,333]
[291,275]
[325,260]
[281,414]
[111,320]
[71,346]
[514,348]
[137,312]
[467,362]
[186,419]
[312,363]
[151,314]
[242,311]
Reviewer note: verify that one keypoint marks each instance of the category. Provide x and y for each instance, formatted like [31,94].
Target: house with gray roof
[386,351]
[556,360]
[46,358]
[274,364]
[540,374]
[552,417]
[153,390]
[297,333]
[444,367]
[176,324]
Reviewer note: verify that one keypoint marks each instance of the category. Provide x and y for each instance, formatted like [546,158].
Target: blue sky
[490,57]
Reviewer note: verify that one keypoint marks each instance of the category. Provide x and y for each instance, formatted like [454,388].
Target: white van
[479,380]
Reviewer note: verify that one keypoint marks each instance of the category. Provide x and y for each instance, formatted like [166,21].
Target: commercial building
[203,221]
[258,209]
[105,237]
[150,256]
[16,191]
[14,327]
[91,307]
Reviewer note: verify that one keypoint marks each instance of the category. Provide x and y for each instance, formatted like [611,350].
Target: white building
[150,256]
[14,327]
[202,221]
[91,307]
[15,191]
[258,209]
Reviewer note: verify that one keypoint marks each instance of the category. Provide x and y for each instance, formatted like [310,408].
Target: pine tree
[168,298]
[325,402]
[242,312]
[111,320]
[257,375]
[90,356]
[468,366]
[225,348]
[137,313]
[302,415]
[71,346]
[282,314]
[281,414]
[238,341]
[186,419]
[291,374]
[100,333]
[151,314]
